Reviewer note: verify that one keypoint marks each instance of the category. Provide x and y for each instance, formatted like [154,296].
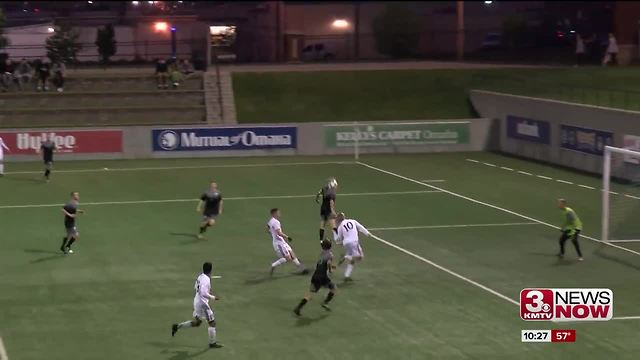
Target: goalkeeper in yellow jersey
[571,228]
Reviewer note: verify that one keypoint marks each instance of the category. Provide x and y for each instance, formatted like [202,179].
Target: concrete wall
[137,143]
[498,106]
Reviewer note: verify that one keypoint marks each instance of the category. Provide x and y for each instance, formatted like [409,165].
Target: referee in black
[47,148]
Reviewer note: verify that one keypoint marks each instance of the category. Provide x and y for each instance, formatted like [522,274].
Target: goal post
[620,205]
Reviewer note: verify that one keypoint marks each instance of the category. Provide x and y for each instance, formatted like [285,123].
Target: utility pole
[460,31]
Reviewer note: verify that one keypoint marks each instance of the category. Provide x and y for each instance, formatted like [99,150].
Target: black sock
[64,242]
[329,297]
[302,303]
[71,241]
[46,173]
[203,229]
[321,234]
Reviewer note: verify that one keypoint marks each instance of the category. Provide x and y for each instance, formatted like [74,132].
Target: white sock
[347,258]
[348,270]
[185,324]
[279,262]
[1,168]
[212,335]
[296,261]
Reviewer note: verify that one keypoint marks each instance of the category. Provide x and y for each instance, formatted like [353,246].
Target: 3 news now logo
[566,304]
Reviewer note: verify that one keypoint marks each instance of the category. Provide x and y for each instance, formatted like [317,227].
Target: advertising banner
[67,141]
[528,129]
[585,140]
[401,134]
[232,138]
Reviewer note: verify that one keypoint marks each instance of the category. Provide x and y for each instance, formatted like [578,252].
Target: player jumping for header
[571,228]
[320,278]
[348,235]
[201,307]
[282,248]
[47,148]
[213,205]
[328,205]
[71,212]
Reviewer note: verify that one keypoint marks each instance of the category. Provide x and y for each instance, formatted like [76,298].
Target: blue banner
[528,129]
[585,140]
[215,139]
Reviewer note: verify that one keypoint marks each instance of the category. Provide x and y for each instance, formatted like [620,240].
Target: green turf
[134,268]
[418,94]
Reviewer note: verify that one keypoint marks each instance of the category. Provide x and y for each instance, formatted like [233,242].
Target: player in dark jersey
[47,148]
[210,205]
[321,278]
[328,205]
[71,212]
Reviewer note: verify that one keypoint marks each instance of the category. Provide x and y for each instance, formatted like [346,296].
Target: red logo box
[536,304]
[67,142]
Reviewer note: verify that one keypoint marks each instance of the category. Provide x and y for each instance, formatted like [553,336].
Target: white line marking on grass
[544,177]
[624,241]
[216,277]
[612,192]
[451,226]
[631,196]
[489,164]
[3,351]
[587,187]
[564,182]
[524,173]
[450,272]
[626,318]
[506,168]
[490,205]
[227,198]
[187,167]
[473,161]
[433,181]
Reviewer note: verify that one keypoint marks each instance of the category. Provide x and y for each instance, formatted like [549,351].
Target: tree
[4,42]
[106,43]
[397,31]
[63,45]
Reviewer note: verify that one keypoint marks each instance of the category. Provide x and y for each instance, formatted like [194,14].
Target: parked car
[492,40]
[318,52]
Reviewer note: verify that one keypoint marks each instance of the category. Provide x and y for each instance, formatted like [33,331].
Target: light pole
[460,31]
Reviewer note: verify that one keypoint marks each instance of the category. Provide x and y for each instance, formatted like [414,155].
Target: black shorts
[325,214]
[48,161]
[566,235]
[318,283]
[209,215]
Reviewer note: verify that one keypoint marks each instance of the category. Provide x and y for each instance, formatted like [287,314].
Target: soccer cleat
[214,346]
[174,329]
[580,259]
[326,307]
[297,312]
[272,270]
[69,251]
[200,236]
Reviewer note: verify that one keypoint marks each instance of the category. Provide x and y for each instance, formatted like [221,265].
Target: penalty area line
[448,271]
[3,351]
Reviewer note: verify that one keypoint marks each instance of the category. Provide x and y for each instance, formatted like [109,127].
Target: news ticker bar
[552,336]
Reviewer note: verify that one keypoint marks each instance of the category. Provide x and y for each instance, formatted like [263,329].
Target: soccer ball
[333,183]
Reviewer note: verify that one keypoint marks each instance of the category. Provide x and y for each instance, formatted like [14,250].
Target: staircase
[217,96]
[212,98]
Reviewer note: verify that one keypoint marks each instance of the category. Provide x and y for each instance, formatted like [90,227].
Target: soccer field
[456,237]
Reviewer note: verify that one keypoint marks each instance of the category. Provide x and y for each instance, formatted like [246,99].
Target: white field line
[448,271]
[473,161]
[524,173]
[626,318]
[506,168]
[451,226]
[216,277]
[586,187]
[631,196]
[490,205]
[186,167]
[544,177]
[433,181]
[489,164]
[3,351]
[624,241]
[564,182]
[227,198]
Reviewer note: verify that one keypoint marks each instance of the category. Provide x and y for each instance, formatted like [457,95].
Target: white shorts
[282,249]
[203,312]
[353,249]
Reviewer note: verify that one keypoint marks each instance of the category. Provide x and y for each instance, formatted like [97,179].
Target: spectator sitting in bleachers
[23,73]
[175,74]
[6,74]
[58,71]
[162,74]
[185,67]
[44,71]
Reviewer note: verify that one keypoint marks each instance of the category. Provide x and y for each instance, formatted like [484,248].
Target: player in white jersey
[3,147]
[282,248]
[201,307]
[347,235]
